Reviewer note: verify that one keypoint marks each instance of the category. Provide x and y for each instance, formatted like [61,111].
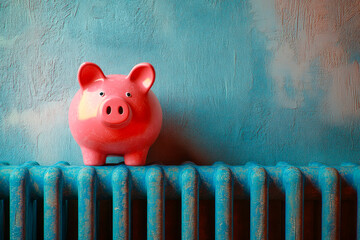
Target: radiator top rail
[240,178]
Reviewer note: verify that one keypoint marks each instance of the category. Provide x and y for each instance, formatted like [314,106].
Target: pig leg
[92,157]
[136,158]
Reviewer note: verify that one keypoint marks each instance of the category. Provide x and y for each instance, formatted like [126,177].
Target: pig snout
[115,112]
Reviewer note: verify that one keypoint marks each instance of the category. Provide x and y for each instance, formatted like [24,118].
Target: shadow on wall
[173,147]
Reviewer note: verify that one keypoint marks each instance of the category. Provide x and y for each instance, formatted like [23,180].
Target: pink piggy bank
[115,114]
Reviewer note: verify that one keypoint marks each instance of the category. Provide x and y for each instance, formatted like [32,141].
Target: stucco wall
[256,80]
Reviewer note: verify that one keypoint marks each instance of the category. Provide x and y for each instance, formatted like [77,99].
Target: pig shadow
[172,147]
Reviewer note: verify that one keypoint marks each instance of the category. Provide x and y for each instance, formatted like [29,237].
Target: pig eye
[128,94]
[102,94]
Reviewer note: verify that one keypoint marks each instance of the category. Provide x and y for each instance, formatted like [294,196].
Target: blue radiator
[23,185]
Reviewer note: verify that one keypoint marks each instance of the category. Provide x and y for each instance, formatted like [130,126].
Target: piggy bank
[115,115]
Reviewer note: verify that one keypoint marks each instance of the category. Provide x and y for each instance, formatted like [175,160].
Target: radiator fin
[329,182]
[294,203]
[155,203]
[53,204]
[223,203]
[258,203]
[121,203]
[356,179]
[86,203]
[189,204]
[19,202]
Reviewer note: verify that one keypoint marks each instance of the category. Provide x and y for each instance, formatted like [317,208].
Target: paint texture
[238,81]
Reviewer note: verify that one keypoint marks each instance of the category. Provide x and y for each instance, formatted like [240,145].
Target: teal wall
[238,81]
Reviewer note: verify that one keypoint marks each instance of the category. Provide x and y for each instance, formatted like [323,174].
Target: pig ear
[143,75]
[89,73]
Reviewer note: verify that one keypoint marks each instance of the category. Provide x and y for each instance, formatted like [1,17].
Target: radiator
[22,185]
